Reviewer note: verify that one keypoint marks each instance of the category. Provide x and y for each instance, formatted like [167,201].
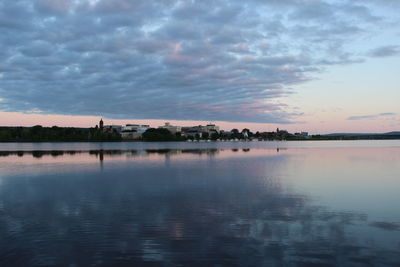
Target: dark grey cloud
[373,116]
[170,59]
[385,51]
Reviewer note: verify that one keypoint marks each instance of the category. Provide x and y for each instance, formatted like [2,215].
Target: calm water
[205,204]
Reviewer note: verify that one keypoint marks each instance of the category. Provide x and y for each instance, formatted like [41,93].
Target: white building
[133,131]
[171,128]
[212,128]
[135,128]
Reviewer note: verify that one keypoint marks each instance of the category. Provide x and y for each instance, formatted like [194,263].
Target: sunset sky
[303,65]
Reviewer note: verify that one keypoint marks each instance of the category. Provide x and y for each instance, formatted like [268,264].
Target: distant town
[209,132]
[102,132]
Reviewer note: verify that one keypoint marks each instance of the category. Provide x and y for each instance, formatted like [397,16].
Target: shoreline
[206,141]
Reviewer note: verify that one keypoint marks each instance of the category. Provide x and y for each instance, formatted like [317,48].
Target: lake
[322,203]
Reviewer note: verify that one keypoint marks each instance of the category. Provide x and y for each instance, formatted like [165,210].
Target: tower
[101,124]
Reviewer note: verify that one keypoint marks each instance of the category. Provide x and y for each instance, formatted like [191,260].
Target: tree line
[55,134]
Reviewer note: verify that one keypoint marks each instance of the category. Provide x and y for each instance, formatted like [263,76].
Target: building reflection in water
[101,153]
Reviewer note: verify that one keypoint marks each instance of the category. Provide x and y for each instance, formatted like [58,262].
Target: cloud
[183,60]
[385,51]
[58,7]
[374,116]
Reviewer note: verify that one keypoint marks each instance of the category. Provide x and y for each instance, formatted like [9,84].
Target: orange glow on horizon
[334,125]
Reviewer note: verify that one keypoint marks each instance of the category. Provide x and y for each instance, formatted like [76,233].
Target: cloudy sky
[316,65]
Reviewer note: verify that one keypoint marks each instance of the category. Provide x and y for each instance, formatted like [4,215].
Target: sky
[320,66]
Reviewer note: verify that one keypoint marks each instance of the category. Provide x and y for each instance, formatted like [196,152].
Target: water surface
[204,204]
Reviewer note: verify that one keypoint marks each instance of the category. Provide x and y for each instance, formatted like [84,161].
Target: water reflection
[102,152]
[221,208]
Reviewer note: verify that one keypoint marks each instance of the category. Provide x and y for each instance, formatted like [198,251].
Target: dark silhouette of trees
[161,134]
[248,132]
[234,131]
[215,136]
[55,134]
[236,134]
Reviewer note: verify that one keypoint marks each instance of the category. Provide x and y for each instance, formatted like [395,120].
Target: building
[133,131]
[101,124]
[302,134]
[200,130]
[135,128]
[281,133]
[171,128]
[113,128]
[212,128]
[192,132]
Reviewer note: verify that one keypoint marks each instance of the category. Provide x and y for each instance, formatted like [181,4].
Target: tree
[214,136]
[235,134]
[54,134]
[159,134]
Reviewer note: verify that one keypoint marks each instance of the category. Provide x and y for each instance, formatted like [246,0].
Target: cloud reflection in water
[178,207]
